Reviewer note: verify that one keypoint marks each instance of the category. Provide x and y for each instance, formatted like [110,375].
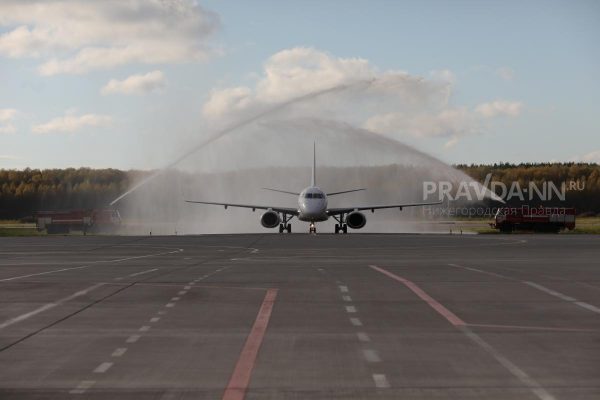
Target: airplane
[312,208]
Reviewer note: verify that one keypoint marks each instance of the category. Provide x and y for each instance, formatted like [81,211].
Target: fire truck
[537,219]
[93,221]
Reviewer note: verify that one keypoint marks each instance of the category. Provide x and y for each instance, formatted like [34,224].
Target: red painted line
[240,379]
[443,311]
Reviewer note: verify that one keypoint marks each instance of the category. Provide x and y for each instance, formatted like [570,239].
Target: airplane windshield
[313,195]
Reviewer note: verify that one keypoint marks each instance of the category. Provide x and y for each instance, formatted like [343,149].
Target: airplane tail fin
[314,166]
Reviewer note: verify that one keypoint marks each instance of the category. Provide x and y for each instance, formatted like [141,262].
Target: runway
[267,316]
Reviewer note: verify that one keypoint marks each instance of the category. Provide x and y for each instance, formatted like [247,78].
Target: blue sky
[522,77]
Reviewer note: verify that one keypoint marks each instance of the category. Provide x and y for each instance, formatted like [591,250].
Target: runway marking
[82,387]
[381,381]
[371,356]
[119,352]
[539,287]
[48,306]
[443,311]
[161,312]
[346,298]
[187,287]
[144,272]
[182,292]
[154,319]
[240,379]
[132,339]
[356,322]
[175,298]
[564,297]
[88,265]
[170,305]
[517,372]
[144,328]
[533,328]
[588,306]
[484,272]
[343,289]
[363,337]
[102,368]
[350,309]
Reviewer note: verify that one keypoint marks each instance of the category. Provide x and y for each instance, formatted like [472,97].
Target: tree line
[23,192]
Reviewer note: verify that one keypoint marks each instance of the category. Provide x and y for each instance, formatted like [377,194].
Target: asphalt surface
[300,317]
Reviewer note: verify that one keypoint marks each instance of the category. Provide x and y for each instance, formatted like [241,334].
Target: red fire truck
[95,220]
[537,219]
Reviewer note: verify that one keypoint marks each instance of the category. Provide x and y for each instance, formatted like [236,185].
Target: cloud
[393,103]
[592,157]
[506,73]
[499,108]
[136,84]
[72,36]
[71,123]
[6,117]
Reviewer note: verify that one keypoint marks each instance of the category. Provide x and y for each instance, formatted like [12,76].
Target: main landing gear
[286,227]
[312,228]
[341,228]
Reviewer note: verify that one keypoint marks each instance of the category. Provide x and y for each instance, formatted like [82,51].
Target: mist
[277,153]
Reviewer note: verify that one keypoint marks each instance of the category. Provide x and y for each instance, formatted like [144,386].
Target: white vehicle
[312,207]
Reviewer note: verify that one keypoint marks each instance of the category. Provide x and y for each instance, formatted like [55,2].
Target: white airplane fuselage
[312,204]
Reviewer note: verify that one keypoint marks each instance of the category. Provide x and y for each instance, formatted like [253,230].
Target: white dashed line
[381,381]
[561,296]
[144,272]
[175,298]
[343,289]
[170,305]
[363,337]
[371,355]
[48,306]
[346,298]
[154,319]
[132,339]
[161,312]
[535,387]
[102,368]
[187,287]
[82,387]
[350,309]
[145,328]
[181,293]
[119,352]
[356,321]
[588,306]
[550,291]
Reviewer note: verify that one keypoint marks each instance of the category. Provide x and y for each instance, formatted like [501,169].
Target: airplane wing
[346,210]
[283,210]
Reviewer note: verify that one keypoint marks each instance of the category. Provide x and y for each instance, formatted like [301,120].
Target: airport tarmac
[267,316]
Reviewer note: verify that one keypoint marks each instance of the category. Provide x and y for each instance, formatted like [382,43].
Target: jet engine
[270,219]
[356,220]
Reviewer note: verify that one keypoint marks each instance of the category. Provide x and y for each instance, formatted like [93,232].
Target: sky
[131,84]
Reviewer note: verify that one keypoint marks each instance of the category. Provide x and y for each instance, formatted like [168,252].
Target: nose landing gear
[312,228]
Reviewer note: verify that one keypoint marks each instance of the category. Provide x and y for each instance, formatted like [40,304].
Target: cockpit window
[313,195]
